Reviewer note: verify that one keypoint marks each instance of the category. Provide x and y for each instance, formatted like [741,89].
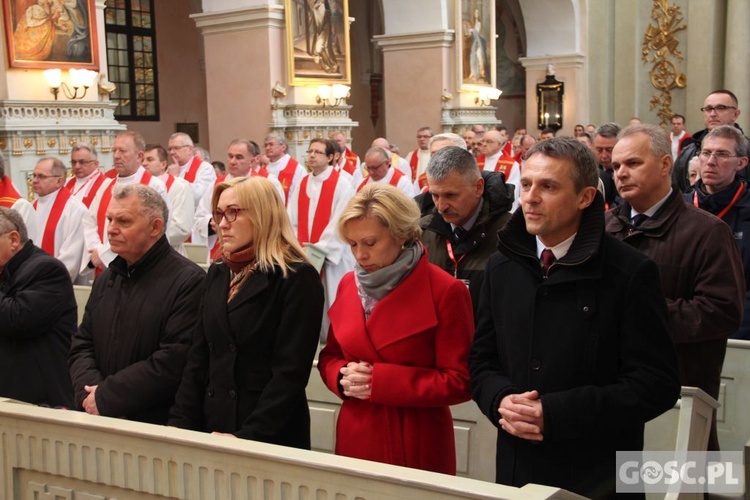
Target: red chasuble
[414,162]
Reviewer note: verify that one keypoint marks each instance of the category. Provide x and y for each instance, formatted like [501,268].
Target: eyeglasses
[315,152]
[230,214]
[82,162]
[43,177]
[421,136]
[720,108]
[369,168]
[175,148]
[705,155]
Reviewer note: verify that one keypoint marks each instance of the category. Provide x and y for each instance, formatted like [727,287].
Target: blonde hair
[273,238]
[395,210]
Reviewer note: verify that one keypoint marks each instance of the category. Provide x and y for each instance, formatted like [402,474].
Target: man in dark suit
[37,318]
[572,353]
[129,352]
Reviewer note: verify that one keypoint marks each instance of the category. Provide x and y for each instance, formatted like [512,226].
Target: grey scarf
[374,286]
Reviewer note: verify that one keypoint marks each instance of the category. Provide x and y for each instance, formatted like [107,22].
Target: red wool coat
[417,339]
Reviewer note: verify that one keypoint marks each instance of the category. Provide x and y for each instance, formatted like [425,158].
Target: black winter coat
[251,358]
[135,334]
[593,339]
[37,320]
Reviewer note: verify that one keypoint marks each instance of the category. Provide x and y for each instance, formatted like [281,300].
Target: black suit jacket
[37,320]
[251,358]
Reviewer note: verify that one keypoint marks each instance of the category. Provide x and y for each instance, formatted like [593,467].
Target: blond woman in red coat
[400,334]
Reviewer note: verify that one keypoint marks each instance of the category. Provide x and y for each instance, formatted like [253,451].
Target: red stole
[111,174]
[48,239]
[286,176]
[101,214]
[422,181]
[397,174]
[170,181]
[192,170]
[349,167]
[322,211]
[262,172]
[350,156]
[94,189]
[414,162]
[480,162]
[504,167]
[8,193]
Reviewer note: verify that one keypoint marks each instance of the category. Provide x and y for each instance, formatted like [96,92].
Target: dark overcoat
[37,320]
[592,338]
[251,357]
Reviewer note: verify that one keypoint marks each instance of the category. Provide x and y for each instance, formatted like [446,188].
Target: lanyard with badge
[455,261]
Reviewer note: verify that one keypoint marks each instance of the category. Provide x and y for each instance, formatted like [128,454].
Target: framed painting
[475,43]
[46,34]
[317,41]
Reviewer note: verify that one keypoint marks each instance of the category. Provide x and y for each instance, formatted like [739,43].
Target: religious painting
[475,43]
[51,33]
[317,38]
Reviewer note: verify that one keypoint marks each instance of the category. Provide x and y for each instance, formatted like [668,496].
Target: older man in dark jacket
[572,353]
[129,352]
[460,230]
[699,263]
[37,318]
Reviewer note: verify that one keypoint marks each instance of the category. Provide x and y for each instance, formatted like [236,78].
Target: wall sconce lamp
[550,95]
[487,95]
[79,79]
[337,92]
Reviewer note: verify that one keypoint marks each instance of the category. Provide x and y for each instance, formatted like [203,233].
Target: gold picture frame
[51,34]
[475,44]
[317,42]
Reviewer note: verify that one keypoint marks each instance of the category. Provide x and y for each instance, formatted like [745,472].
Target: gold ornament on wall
[3,144]
[27,143]
[660,48]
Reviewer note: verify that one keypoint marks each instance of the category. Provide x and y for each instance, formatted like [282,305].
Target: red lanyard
[453,257]
[721,214]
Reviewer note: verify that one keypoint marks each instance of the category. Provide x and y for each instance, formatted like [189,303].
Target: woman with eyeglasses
[254,346]
[399,340]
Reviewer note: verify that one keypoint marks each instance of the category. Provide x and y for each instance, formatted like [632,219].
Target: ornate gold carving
[3,144]
[27,142]
[660,47]
[73,141]
[94,141]
[51,142]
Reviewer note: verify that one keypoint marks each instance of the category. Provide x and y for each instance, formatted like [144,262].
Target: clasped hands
[522,415]
[356,380]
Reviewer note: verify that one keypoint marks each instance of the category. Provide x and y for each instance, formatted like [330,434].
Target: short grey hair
[730,132]
[203,153]
[11,220]
[454,139]
[153,205]
[58,167]
[608,130]
[659,142]
[585,169]
[385,155]
[182,137]
[453,159]
[87,147]
[278,138]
